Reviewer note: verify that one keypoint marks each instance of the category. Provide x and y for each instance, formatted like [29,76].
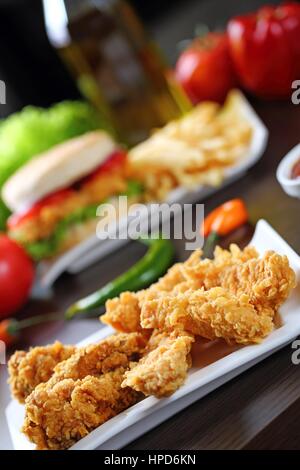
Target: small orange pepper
[8,332]
[225,218]
[11,328]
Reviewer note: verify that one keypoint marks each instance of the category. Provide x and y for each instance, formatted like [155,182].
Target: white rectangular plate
[147,414]
[92,249]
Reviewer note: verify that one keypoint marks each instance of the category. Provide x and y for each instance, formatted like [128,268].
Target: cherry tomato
[16,276]
[17,219]
[205,68]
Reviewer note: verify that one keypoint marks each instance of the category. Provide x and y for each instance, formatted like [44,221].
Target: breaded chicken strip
[57,416]
[163,370]
[212,314]
[95,359]
[267,282]
[123,312]
[28,369]
[84,392]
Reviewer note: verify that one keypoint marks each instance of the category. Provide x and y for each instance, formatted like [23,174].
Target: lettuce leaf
[4,214]
[34,130]
[134,188]
[47,247]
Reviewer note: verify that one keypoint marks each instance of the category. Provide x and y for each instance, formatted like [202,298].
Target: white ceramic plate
[142,417]
[289,185]
[93,249]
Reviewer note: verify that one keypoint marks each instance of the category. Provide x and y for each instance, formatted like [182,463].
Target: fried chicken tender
[267,280]
[101,357]
[123,313]
[212,314]
[84,392]
[250,286]
[163,370]
[58,416]
[29,369]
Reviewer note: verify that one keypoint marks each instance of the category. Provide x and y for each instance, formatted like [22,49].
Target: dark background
[32,71]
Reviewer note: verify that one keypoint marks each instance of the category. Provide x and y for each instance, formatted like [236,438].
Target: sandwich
[54,198]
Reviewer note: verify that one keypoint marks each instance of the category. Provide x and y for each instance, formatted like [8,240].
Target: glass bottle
[115,65]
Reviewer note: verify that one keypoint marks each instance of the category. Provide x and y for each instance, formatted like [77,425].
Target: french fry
[194,149]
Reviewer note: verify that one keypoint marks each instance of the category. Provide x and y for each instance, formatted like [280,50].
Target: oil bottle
[115,64]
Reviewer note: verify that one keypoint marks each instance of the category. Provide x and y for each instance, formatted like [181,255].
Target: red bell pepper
[265,48]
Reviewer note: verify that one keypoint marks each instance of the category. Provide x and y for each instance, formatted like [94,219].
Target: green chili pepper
[146,271]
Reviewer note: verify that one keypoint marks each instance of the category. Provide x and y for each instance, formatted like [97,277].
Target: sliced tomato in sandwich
[115,161]
[53,199]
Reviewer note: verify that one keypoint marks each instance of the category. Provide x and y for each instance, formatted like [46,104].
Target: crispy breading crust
[211,314]
[163,370]
[110,353]
[123,313]
[27,370]
[267,281]
[58,416]
[251,286]
[84,392]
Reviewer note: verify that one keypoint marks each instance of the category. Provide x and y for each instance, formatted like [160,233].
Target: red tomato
[54,199]
[16,276]
[265,48]
[115,160]
[205,68]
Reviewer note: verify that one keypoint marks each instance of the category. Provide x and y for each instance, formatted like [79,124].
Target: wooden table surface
[260,409]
